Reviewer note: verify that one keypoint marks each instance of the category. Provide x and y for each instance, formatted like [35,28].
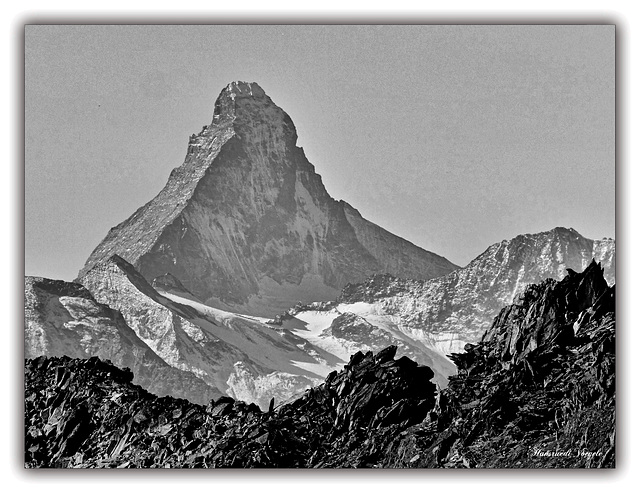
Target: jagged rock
[246,225]
[537,391]
[542,316]
[345,422]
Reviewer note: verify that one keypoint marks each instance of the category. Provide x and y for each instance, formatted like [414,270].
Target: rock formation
[85,413]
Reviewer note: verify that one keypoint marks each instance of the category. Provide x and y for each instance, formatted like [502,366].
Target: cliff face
[450,311]
[246,224]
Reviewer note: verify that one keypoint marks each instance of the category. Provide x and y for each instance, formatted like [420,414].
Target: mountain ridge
[447,312]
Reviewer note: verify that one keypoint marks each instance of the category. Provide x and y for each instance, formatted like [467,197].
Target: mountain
[255,359]
[244,356]
[245,224]
[537,391]
[62,318]
[445,313]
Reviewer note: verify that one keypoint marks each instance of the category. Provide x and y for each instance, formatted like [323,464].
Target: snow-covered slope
[344,329]
[246,224]
[239,354]
[444,314]
[63,319]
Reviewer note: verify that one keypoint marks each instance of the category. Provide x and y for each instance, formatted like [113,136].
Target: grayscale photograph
[320,246]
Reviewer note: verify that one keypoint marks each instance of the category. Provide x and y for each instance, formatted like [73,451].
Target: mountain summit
[453,310]
[246,224]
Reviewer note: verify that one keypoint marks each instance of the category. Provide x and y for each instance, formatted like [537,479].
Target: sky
[453,137]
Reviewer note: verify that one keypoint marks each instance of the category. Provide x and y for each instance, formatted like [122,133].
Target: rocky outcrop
[62,318]
[246,225]
[537,391]
[86,413]
[448,312]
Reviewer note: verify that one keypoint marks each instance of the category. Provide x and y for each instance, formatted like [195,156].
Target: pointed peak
[247,89]
[563,230]
[558,231]
[226,102]
[594,267]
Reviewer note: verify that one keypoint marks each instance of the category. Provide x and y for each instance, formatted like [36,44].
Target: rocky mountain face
[62,318]
[537,391]
[448,312]
[246,224]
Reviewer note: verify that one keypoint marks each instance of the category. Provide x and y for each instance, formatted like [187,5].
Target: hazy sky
[453,137]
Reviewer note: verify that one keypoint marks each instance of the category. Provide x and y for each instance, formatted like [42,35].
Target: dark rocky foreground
[538,391]
[86,413]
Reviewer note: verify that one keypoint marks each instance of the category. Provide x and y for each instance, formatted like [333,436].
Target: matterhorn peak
[226,104]
[245,223]
[252,115]
[244,89]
